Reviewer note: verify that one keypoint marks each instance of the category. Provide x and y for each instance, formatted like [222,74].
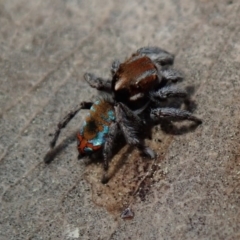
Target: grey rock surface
[191,191]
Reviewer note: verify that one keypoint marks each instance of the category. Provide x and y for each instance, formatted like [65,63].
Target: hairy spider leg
[66,119]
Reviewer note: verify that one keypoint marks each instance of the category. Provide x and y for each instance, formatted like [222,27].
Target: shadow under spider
[52,153]
[169,128]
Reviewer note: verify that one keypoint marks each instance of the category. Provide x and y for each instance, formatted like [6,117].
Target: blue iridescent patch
[88,150]
[111,116]
[100,137]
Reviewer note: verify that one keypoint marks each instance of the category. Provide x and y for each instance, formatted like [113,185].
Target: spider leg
[164,93]
[63,123]
[157,55]
[107,148]
[170,74]
[98,83]
[131,125]
[173,114]
[115,66]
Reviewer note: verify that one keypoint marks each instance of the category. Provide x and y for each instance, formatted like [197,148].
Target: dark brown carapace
[135,77]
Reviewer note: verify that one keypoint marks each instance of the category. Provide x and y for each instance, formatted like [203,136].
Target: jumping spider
[138,87]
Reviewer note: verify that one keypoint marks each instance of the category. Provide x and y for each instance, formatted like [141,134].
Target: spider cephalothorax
[146,74]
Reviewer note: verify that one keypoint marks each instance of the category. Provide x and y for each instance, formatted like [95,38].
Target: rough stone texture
[193,191]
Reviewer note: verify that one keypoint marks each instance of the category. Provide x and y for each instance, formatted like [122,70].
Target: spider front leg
[131,125]
[157,55]
[173,114]
[170,74]
[98,83]
[63,123]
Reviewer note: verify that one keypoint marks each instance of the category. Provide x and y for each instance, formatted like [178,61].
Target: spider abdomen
[92,134]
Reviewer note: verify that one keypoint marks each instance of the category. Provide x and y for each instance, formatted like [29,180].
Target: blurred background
[191,191]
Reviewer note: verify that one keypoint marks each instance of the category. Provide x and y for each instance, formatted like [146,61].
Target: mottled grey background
[193,191]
